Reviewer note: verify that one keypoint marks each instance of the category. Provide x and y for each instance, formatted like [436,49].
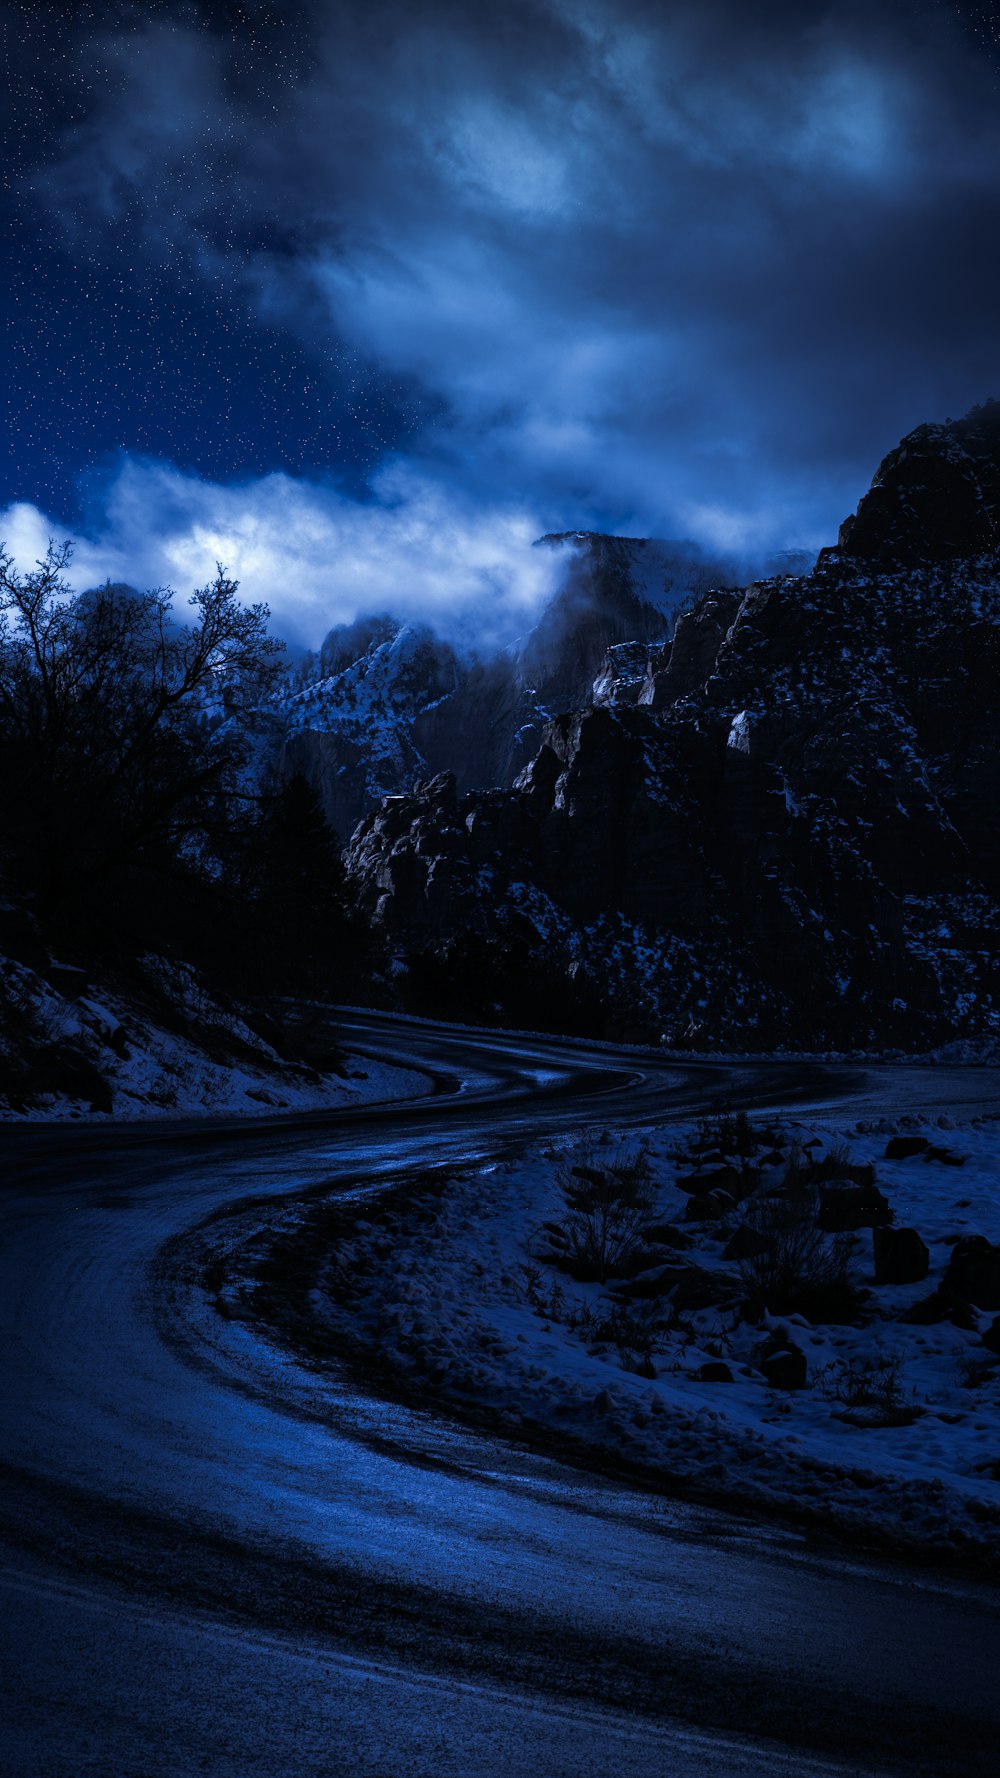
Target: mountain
[393,703]
[783,831]
[351,732]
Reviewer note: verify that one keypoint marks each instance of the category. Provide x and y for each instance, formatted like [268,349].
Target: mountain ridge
[788,836]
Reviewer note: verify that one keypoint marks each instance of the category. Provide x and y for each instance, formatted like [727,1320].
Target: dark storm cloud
[668,268]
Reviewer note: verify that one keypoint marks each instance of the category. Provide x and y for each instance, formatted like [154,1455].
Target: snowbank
[895,1434]
[74,1051]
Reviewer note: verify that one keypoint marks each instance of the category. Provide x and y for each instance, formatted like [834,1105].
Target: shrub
[610,1198]
[870,1387]
[731,1132]
[795,1267]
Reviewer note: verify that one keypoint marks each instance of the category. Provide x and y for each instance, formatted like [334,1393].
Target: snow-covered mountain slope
[790,836]
[351,732]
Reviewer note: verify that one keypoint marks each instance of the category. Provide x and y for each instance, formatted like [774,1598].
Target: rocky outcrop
[686,662]
[414,855]
[390,705]
[935,497]
[791,837]
[623,673]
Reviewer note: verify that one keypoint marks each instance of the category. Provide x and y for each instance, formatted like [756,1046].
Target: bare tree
[118,733]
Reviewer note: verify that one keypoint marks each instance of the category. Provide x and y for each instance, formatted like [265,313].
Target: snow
[739,732]
[218,1066]
[461,1301]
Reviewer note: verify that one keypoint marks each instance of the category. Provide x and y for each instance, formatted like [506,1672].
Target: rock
[991,1338]
[974,1271]
[655,1281]
[712,1206]
[841,1172]
[666,1234]
[708,885]
[900,1148]
[946,1156]
[901,1256]
[714,1370]
[844,1207]
[712,1179]
[785,1368]
[691,656]
[936,496]
[943,1304]
[699,1288]
[745,1243]
[623,672]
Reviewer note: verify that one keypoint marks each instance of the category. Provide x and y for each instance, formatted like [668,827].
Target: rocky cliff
[788,833]
[389,704]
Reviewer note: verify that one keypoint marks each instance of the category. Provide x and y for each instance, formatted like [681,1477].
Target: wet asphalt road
[215,1560]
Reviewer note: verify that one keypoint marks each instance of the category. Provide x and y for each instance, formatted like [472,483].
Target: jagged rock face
[687,661]
[792,838]
[935,497]
[493,723]
[617,590]
[394,705]
[624,672]
[413,854]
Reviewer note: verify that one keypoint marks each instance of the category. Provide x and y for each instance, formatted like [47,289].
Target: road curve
[215,1560]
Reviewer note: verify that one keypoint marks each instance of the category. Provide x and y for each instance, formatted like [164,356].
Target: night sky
[362,298]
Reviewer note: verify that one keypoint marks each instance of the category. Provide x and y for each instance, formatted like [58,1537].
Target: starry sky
[363,297]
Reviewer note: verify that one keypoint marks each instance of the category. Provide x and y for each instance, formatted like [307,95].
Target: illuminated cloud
[315,556]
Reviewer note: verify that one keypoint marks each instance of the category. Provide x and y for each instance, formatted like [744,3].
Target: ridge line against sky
[365,298]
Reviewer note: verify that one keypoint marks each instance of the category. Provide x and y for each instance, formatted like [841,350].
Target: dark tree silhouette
[119,744]
[299,894]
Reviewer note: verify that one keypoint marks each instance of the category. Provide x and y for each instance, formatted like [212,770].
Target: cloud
[669,270]
[315,556]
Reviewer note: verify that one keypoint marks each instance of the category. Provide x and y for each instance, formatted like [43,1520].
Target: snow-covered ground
[896,1431]
[76,1051]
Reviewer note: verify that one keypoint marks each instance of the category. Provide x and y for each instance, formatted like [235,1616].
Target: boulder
[714,1370]
[974,1271]
[713,1206]
[666,1234]
[901,1256]
[655,1281]
[785,1367]
[943,1304]
[900,1148]
[845,1206]
[991,1338]
[745,1243]
[723,1178]
[698,1288]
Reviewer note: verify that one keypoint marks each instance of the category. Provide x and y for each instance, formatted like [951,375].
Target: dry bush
[798,1268]
[610,1197]
[870,1386]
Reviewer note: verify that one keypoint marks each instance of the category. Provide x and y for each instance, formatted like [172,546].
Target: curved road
[214,1560]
